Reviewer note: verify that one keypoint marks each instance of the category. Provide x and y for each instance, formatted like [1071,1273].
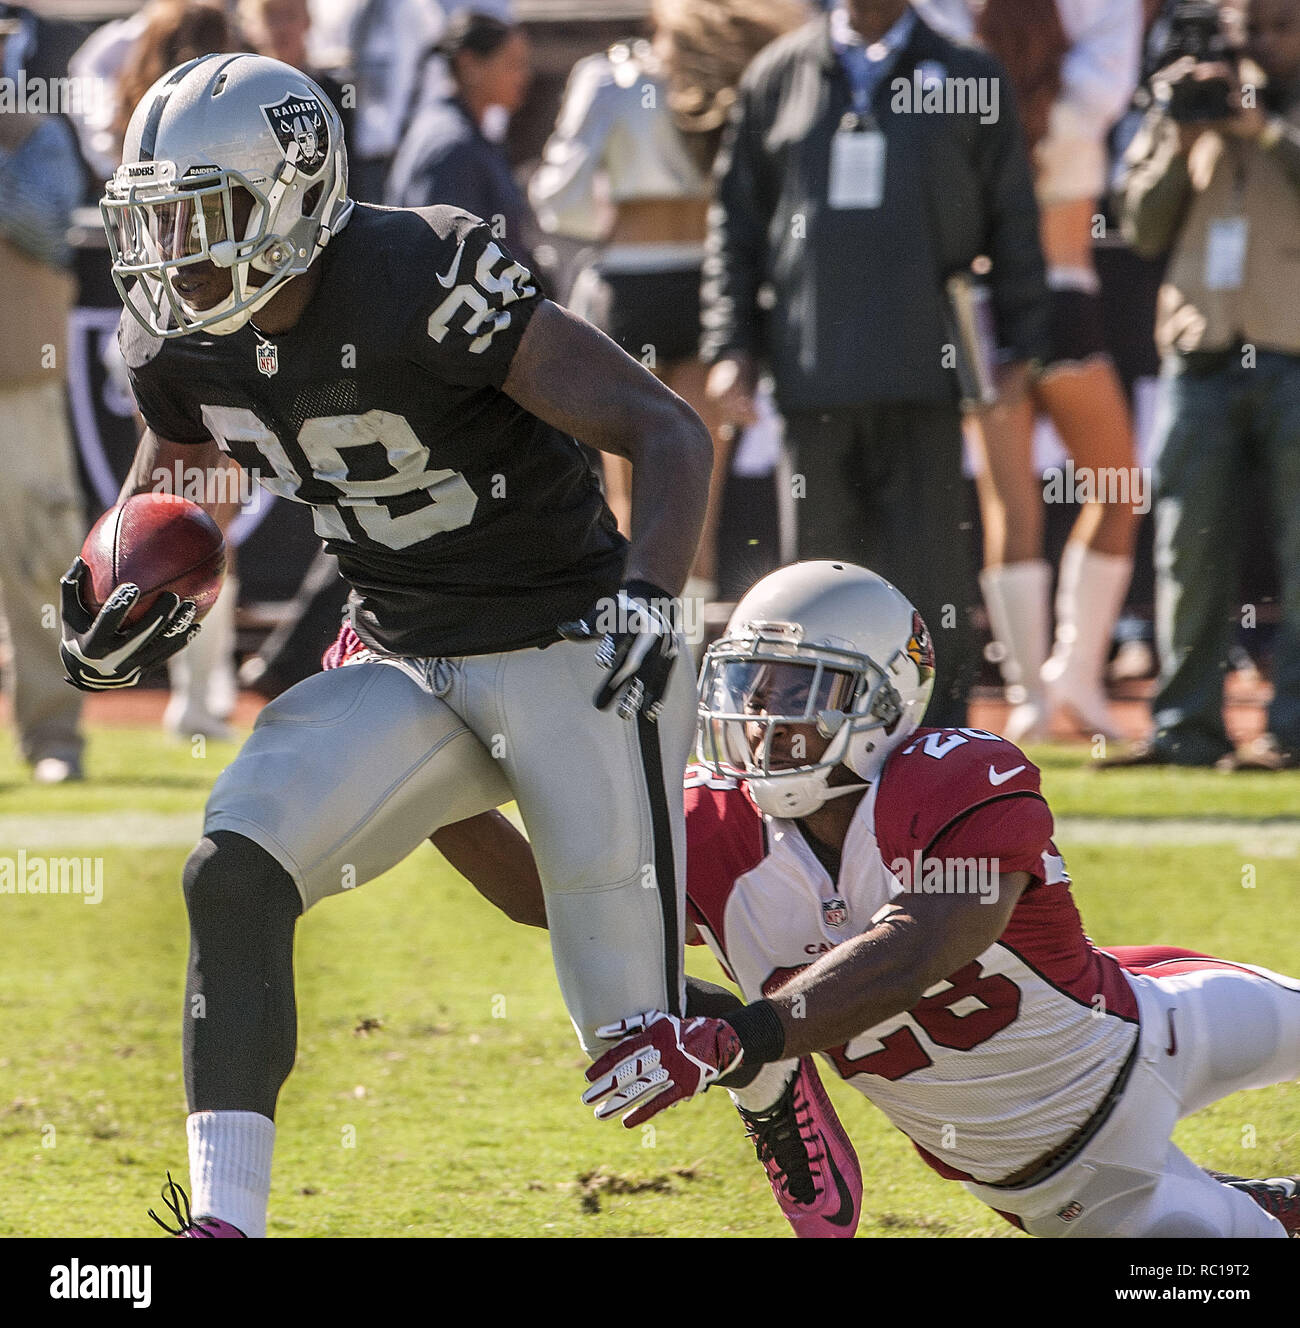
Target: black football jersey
[464,524]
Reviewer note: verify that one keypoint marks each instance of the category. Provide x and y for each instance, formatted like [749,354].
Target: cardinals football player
[890,897]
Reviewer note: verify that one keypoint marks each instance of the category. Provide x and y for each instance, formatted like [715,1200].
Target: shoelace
[778,1139]
[178,1201]
[1277,1197]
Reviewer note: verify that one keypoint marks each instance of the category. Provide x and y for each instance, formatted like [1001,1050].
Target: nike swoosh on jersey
[449,278]
[995,778]
[845,1214]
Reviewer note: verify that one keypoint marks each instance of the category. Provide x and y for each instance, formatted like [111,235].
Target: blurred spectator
[499,9]
[453,151]
[854,215]
[282,30]
[98,65]
[1155,28]
[380,49]
[278,28]
[1074,65]
[1215,176]
[40,518]
[175,32]
[628,167]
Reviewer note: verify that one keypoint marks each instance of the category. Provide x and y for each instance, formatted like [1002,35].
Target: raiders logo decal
[299,122]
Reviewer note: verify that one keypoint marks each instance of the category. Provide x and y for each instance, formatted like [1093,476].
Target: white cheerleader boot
[1089,596]
[202,676]
[1016,595]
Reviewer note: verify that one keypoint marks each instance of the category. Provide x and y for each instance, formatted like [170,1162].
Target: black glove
[638,645]
[97,654]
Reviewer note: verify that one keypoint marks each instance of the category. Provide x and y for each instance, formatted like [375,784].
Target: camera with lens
[1195,30]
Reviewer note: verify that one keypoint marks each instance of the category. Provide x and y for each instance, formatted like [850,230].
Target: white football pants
[1208,1028]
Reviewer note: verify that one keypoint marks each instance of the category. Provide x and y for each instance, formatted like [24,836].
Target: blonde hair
[705,46]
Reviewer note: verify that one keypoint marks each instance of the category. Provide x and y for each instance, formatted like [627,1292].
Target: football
[159,542]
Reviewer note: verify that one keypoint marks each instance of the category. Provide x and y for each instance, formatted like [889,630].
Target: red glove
[661,1060]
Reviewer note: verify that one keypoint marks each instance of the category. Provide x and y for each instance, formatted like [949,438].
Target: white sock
[1016,595]
[1089,596]
[230,1167]
[766,1087]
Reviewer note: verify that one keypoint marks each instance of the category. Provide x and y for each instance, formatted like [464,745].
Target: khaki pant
[41,529]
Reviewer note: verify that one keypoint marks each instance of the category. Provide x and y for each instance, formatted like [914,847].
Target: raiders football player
[398,371]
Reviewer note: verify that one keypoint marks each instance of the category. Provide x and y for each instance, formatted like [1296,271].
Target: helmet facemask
[157,231]
[759,686]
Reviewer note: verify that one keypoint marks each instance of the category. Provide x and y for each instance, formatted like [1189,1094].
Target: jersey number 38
[406,506]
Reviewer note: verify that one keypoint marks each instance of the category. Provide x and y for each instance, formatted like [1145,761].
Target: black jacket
[858,309]
[444,158]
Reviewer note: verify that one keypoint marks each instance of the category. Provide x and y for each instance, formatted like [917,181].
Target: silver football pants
[349,771]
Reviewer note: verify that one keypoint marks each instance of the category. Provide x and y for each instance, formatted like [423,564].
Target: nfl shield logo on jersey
[1070,1211]
[835,912]
[268,358]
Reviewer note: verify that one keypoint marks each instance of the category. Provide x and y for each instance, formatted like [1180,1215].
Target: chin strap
[810,799]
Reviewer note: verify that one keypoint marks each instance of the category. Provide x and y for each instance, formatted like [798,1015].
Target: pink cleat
[201,1228]
[808,1158]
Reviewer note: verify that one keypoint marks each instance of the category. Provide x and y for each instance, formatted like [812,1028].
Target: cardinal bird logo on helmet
[920,649]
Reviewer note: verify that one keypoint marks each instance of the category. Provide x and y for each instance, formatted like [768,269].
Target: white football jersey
[1004,1061]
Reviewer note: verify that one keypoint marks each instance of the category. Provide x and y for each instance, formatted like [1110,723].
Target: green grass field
[437,1078]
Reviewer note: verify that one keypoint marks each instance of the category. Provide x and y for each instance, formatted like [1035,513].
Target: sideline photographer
[1214,177]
